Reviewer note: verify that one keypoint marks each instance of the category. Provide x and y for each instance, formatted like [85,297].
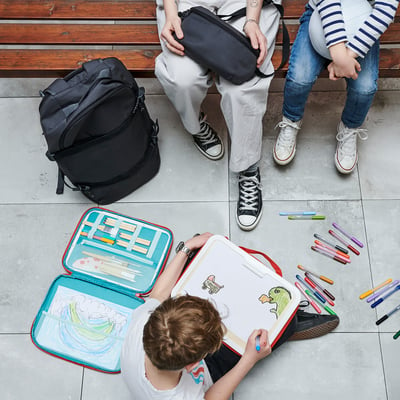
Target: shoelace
[248,195]
[347,138]
[206,135]
[286,137]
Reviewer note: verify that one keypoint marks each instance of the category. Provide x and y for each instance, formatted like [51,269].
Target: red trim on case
[274,265]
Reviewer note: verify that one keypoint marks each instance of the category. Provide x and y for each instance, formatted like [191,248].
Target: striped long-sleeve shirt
[382,14]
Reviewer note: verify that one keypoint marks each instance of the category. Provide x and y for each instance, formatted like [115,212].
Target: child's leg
[361,91]
[305,64]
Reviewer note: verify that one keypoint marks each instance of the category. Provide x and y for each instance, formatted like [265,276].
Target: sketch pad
[248,294]
[111,261]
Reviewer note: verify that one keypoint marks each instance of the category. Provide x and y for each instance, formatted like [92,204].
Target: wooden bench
[52,37]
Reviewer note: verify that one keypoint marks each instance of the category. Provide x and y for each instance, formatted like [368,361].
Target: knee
[364,86]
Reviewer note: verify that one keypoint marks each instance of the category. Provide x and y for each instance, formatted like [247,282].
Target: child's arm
[172,24]
[164,284]
[225,386]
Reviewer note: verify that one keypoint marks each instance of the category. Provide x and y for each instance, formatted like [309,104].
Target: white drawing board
[248,294]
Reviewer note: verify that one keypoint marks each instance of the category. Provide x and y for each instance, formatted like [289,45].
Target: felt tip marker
[352,238]
[321,288]
[299,217]
[258,347]
[348,245]
[330,311]
[386,316]
[312,284]
[335,246]
[307,285]
[327,254]
[383,290]
[338,252]
[297,213]
[312,302]
[381,299]
[322,277]
[369,292]
[396,335]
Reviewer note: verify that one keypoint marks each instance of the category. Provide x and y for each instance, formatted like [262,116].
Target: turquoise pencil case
[112,261]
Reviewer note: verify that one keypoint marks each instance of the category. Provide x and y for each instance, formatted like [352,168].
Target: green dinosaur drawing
[277,295]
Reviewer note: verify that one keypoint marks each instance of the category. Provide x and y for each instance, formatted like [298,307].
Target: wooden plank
[78,9]
[96,34]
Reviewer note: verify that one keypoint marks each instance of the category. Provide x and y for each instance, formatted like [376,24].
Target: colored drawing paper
[247,294]
[83,327]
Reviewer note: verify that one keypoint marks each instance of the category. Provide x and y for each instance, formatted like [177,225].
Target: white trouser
[243,106]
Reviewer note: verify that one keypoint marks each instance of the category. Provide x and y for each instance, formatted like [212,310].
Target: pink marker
[312,302]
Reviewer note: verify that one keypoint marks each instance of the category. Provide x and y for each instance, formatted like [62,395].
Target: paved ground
[191,194]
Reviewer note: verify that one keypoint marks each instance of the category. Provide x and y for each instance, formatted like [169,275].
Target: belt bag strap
[286,40]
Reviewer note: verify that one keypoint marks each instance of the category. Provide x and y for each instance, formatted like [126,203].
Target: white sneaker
[346,155]
[285,145]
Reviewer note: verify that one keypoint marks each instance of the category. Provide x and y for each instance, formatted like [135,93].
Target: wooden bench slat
[73,34]
[78,9]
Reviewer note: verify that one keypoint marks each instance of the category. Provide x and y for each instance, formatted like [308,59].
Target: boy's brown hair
[181,331]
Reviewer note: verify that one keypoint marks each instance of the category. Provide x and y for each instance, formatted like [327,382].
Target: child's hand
[251,352]
[198,241]
[344,63]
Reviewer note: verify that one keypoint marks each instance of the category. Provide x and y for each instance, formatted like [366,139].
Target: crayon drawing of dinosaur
[277,295]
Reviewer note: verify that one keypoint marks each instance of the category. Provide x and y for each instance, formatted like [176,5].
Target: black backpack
[99,132]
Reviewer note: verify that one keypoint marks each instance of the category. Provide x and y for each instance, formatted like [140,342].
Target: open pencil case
[111,261]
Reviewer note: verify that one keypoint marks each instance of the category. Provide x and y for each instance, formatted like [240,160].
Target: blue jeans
[306,64]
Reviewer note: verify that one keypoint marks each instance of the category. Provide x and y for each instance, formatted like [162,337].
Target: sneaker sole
[210,157]
[315,331]
[249,227]
[344,170]
[285,161]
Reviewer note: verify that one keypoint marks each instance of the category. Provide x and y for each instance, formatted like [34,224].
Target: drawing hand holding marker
[381,299]
[323,278]
[348,245]
[352,238]
[380,292]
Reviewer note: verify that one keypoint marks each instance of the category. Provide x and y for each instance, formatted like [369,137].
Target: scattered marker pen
[329,294]
[327,254]
[307,285]
[348,245]
[301,217]
[369,292]
[386,316]
[396,335]
[323,278]
[297,213]
[330,311]
[385,289]
[338,252]
[379,301]
[336,246]
[352,238]
[312,302]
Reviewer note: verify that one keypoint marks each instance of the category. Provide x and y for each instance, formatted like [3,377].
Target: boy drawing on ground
[173,349]
[355,59]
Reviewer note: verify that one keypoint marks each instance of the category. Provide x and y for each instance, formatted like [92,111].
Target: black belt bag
[213,43]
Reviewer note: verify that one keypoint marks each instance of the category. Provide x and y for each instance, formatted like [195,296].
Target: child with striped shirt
[356,59]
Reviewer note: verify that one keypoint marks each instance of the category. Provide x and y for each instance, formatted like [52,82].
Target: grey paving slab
[27,373]
[391,355]
[288,244]
[337,366]
[383,231]
[379,162]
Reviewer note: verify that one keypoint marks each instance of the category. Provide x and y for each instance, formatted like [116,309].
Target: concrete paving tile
[336,366]
[28,373]
[391,355]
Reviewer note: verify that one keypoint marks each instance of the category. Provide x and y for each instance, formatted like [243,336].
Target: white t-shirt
[191,386]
